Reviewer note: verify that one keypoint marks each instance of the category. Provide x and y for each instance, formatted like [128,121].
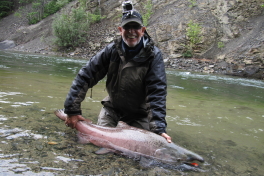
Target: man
[136,81]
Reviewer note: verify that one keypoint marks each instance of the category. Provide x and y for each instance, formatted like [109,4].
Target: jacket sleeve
[88,76]
[156,93]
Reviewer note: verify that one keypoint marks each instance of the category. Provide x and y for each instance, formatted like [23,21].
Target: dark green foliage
[25,1]
[33,17]
[42,9]
[95,17]
[187,53]
[51,8]
[193,34]
[70,29]
[149,11]
[5,8]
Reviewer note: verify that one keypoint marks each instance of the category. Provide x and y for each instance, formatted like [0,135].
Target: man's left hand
[167,137]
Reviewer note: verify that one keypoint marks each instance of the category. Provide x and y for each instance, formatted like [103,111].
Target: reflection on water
[218,117]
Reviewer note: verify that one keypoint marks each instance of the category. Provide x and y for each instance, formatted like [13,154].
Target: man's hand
[72,120]
[167,137]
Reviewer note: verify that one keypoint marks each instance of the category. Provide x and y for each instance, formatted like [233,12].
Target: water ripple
[225,79]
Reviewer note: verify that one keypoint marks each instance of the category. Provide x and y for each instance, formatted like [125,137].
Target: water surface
[218,117]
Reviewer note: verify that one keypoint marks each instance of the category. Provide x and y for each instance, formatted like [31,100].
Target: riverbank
[241,53]
[209,66]
[217,67]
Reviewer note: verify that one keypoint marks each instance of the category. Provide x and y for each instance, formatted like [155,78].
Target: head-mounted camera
[127,7]
[130,14]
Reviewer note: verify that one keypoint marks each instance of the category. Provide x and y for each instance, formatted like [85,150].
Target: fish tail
[60,114]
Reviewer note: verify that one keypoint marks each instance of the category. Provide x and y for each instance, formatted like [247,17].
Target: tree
[5,7]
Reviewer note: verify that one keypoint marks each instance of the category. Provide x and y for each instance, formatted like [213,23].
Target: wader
[109,117]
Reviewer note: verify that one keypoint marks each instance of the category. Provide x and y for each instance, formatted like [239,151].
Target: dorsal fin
[122,124]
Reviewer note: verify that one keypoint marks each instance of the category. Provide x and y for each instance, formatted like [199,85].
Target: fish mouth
[193,158]
[192,164]
[192,161]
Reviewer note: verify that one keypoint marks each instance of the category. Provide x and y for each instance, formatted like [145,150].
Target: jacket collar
[144,54]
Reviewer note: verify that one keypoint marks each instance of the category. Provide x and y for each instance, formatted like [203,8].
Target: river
[219,117]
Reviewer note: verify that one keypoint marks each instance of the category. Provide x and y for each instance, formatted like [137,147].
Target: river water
[219,117]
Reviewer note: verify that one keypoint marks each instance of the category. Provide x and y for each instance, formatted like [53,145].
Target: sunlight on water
[3,66]
[218,117]
[182,121]
[67,159]
[12,166]
[225,79]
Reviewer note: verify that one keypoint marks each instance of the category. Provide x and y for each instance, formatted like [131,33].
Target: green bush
[95,17]
[43,8]
[70,29]
[36,15]
[5,8]
[220,45]
[193,34]
[51,8]
[62,3]
[149,11]
[25,1]
[193,3]
[33,17]
[187,53]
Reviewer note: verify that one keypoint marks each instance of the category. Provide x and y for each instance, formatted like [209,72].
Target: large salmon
[135,143]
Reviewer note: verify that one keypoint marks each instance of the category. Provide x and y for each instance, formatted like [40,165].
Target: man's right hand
[72,120]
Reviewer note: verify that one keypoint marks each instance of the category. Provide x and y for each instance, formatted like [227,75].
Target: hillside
[236,25]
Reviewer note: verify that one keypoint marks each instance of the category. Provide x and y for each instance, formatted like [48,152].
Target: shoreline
[207,66]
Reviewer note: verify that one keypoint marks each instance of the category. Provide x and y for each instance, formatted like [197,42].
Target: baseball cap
[131,16]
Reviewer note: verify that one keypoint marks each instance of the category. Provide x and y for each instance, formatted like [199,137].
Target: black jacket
[136,87]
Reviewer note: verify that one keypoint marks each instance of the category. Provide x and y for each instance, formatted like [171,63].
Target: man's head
[131,28]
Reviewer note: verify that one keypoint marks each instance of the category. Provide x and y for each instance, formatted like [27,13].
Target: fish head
[172,153]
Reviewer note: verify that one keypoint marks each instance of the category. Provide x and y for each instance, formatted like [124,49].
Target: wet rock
[249,71]
[219,67]
[39,146]
[7,44]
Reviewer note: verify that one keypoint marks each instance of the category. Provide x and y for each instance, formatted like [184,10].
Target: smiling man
[136,81]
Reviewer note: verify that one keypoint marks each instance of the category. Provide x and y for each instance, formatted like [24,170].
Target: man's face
[132,33]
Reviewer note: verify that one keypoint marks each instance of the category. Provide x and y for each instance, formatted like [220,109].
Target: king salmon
[135,143]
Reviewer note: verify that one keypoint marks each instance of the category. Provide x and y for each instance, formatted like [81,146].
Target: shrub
[42,9]
[193,33]
[95,17]
[32,17]
[5,8]
[220,45]
[70,29]
[193,3]
[148,7]
[36,15]
[51,8]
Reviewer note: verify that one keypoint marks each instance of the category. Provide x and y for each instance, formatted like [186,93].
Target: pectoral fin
[146,162]
[103,151]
